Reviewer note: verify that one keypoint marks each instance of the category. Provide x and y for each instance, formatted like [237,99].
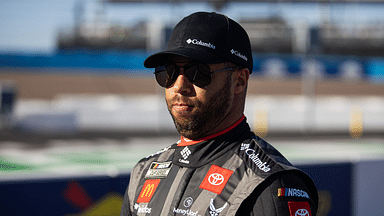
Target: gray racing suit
[231,173]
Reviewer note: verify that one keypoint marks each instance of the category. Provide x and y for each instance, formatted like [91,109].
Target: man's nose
[182,84]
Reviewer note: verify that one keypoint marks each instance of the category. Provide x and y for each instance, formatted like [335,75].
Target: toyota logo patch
[216,179]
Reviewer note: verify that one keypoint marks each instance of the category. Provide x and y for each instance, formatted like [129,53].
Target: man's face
[197,111]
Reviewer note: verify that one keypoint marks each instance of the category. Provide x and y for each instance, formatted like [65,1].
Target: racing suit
[233,172]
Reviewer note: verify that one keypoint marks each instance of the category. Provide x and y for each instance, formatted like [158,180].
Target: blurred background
[78,108]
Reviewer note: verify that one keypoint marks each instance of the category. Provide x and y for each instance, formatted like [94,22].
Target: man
[218,167]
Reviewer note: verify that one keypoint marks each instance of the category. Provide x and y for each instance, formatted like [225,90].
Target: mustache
[177,99]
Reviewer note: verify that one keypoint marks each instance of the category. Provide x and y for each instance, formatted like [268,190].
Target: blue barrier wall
[81,60]
[132,61]
[334,184]
[64,196]
[79,195]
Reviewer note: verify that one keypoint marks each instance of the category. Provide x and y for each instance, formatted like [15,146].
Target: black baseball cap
[207,38]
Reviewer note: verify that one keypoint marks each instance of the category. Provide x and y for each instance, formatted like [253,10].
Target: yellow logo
[148,190]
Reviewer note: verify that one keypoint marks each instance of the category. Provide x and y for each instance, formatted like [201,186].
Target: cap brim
[161,58]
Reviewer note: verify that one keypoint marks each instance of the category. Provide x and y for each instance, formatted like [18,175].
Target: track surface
[85,156]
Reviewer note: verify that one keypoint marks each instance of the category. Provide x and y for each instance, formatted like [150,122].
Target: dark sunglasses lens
[166,75]
[199,74]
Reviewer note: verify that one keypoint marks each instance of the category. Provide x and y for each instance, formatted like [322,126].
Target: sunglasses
[197,73]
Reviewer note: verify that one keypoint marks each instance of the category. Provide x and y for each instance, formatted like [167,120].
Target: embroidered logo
[142,209]
[200,43]
[216,179]
[148,190]
[216,211]
[185,152]
[302,212]
[255,157]
[293,192]
[238,54]
[188,202]
[188,212]
[158,170]
[299,209]
[244,146]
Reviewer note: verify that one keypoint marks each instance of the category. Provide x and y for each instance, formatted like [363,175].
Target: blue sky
[32,25]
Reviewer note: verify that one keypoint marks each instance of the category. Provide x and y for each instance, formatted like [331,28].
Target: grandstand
[267,35]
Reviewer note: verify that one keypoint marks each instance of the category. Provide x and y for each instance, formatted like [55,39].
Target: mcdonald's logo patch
[148,190]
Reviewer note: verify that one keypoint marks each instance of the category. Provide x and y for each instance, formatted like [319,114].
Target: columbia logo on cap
[237,53]
[208,38]
[201,43]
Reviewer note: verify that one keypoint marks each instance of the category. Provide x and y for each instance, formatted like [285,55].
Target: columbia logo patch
[255,158]
[244,146]
[185,153]
[238,54]
[200,43]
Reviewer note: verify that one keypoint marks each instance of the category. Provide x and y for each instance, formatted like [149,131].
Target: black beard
[209,116]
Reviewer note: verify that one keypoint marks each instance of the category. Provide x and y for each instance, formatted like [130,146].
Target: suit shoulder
[161,153]
[262,158]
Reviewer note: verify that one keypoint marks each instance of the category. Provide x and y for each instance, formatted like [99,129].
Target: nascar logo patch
[158,170]
[292,192]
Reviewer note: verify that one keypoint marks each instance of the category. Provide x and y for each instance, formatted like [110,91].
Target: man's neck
[186,142]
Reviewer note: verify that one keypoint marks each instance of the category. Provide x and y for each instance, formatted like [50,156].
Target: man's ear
[242,76]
